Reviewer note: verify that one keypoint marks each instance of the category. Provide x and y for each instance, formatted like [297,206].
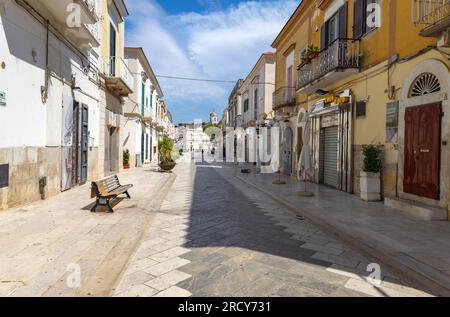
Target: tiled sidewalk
[417,249]
[44,244]
[152,270]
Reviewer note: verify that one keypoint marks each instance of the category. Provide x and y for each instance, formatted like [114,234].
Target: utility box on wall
[4,175]
[2,99]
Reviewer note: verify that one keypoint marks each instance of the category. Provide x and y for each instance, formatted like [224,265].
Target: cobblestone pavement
[215,236]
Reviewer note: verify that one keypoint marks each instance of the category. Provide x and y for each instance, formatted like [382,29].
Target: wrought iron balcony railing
[434,15]
[429,12]
[284,97]
[340,55]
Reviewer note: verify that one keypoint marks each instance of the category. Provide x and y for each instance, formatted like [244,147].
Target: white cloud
[219,44]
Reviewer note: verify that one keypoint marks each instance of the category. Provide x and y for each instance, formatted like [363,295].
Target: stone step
[417,210]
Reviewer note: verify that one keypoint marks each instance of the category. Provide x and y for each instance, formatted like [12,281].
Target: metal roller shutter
[328,156]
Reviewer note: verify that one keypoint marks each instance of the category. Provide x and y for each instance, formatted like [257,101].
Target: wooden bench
[107,189]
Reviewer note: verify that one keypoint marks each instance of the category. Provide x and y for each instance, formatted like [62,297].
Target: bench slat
[111,186]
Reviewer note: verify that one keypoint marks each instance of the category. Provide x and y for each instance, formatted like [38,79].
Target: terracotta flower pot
[126,166]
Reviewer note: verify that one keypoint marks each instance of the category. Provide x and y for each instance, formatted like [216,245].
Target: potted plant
[126,159]
[310,53]
[165,149]
[370,175]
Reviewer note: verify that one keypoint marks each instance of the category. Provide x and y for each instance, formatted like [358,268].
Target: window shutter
[358,19]
[343,21]
[324,37]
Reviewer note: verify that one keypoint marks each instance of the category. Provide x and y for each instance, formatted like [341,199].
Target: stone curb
[404,271]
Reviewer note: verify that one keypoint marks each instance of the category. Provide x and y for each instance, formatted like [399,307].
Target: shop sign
[336,100]
[330,121]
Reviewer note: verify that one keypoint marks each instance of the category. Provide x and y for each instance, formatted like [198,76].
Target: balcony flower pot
[370,186]
[370,183]
[304,63]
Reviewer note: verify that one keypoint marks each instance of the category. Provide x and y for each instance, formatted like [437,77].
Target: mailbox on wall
[4,175]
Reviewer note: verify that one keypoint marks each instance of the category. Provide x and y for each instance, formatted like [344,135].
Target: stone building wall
[26,167]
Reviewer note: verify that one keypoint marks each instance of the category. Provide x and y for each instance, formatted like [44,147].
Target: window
[392,122]
[360,16]
[335,28]
[245,105]
[256,97]
[112,49]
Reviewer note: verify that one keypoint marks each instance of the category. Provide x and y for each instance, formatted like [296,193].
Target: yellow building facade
[116,84]
[374,72]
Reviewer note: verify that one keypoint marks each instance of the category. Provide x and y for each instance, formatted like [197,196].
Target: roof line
[150,69]
[300,6]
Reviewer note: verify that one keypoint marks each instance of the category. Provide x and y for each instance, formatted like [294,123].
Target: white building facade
[139,126]
[49,117]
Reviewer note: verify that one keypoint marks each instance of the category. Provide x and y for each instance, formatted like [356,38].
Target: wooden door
[422,150]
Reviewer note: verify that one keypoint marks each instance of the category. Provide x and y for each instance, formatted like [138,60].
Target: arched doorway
[287,151]
[423,125]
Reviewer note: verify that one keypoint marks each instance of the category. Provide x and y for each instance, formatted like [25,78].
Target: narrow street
[199,231]
[215,236]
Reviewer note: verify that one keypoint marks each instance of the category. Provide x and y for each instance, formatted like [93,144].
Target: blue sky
[208,39]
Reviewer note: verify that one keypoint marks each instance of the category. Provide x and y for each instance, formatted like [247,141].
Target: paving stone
[167,266]
[341,260]
[322,248]
[169,254]
[138,291]
[140,265]
[204,278]
[133,279]
[174,291]
[167,280]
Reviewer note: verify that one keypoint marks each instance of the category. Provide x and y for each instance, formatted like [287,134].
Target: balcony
[433,15]
[284,97]
[118,77]
[59,13]
[147,117]
[340,60]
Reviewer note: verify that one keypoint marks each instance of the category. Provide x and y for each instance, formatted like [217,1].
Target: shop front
[331,122]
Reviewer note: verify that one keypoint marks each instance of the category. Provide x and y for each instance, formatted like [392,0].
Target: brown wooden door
[422,150]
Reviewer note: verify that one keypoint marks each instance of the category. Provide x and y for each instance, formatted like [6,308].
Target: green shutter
[146,146]
[142,98]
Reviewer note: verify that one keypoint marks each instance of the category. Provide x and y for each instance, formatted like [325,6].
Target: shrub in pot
[126,159]
[370,175]
[165,149]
